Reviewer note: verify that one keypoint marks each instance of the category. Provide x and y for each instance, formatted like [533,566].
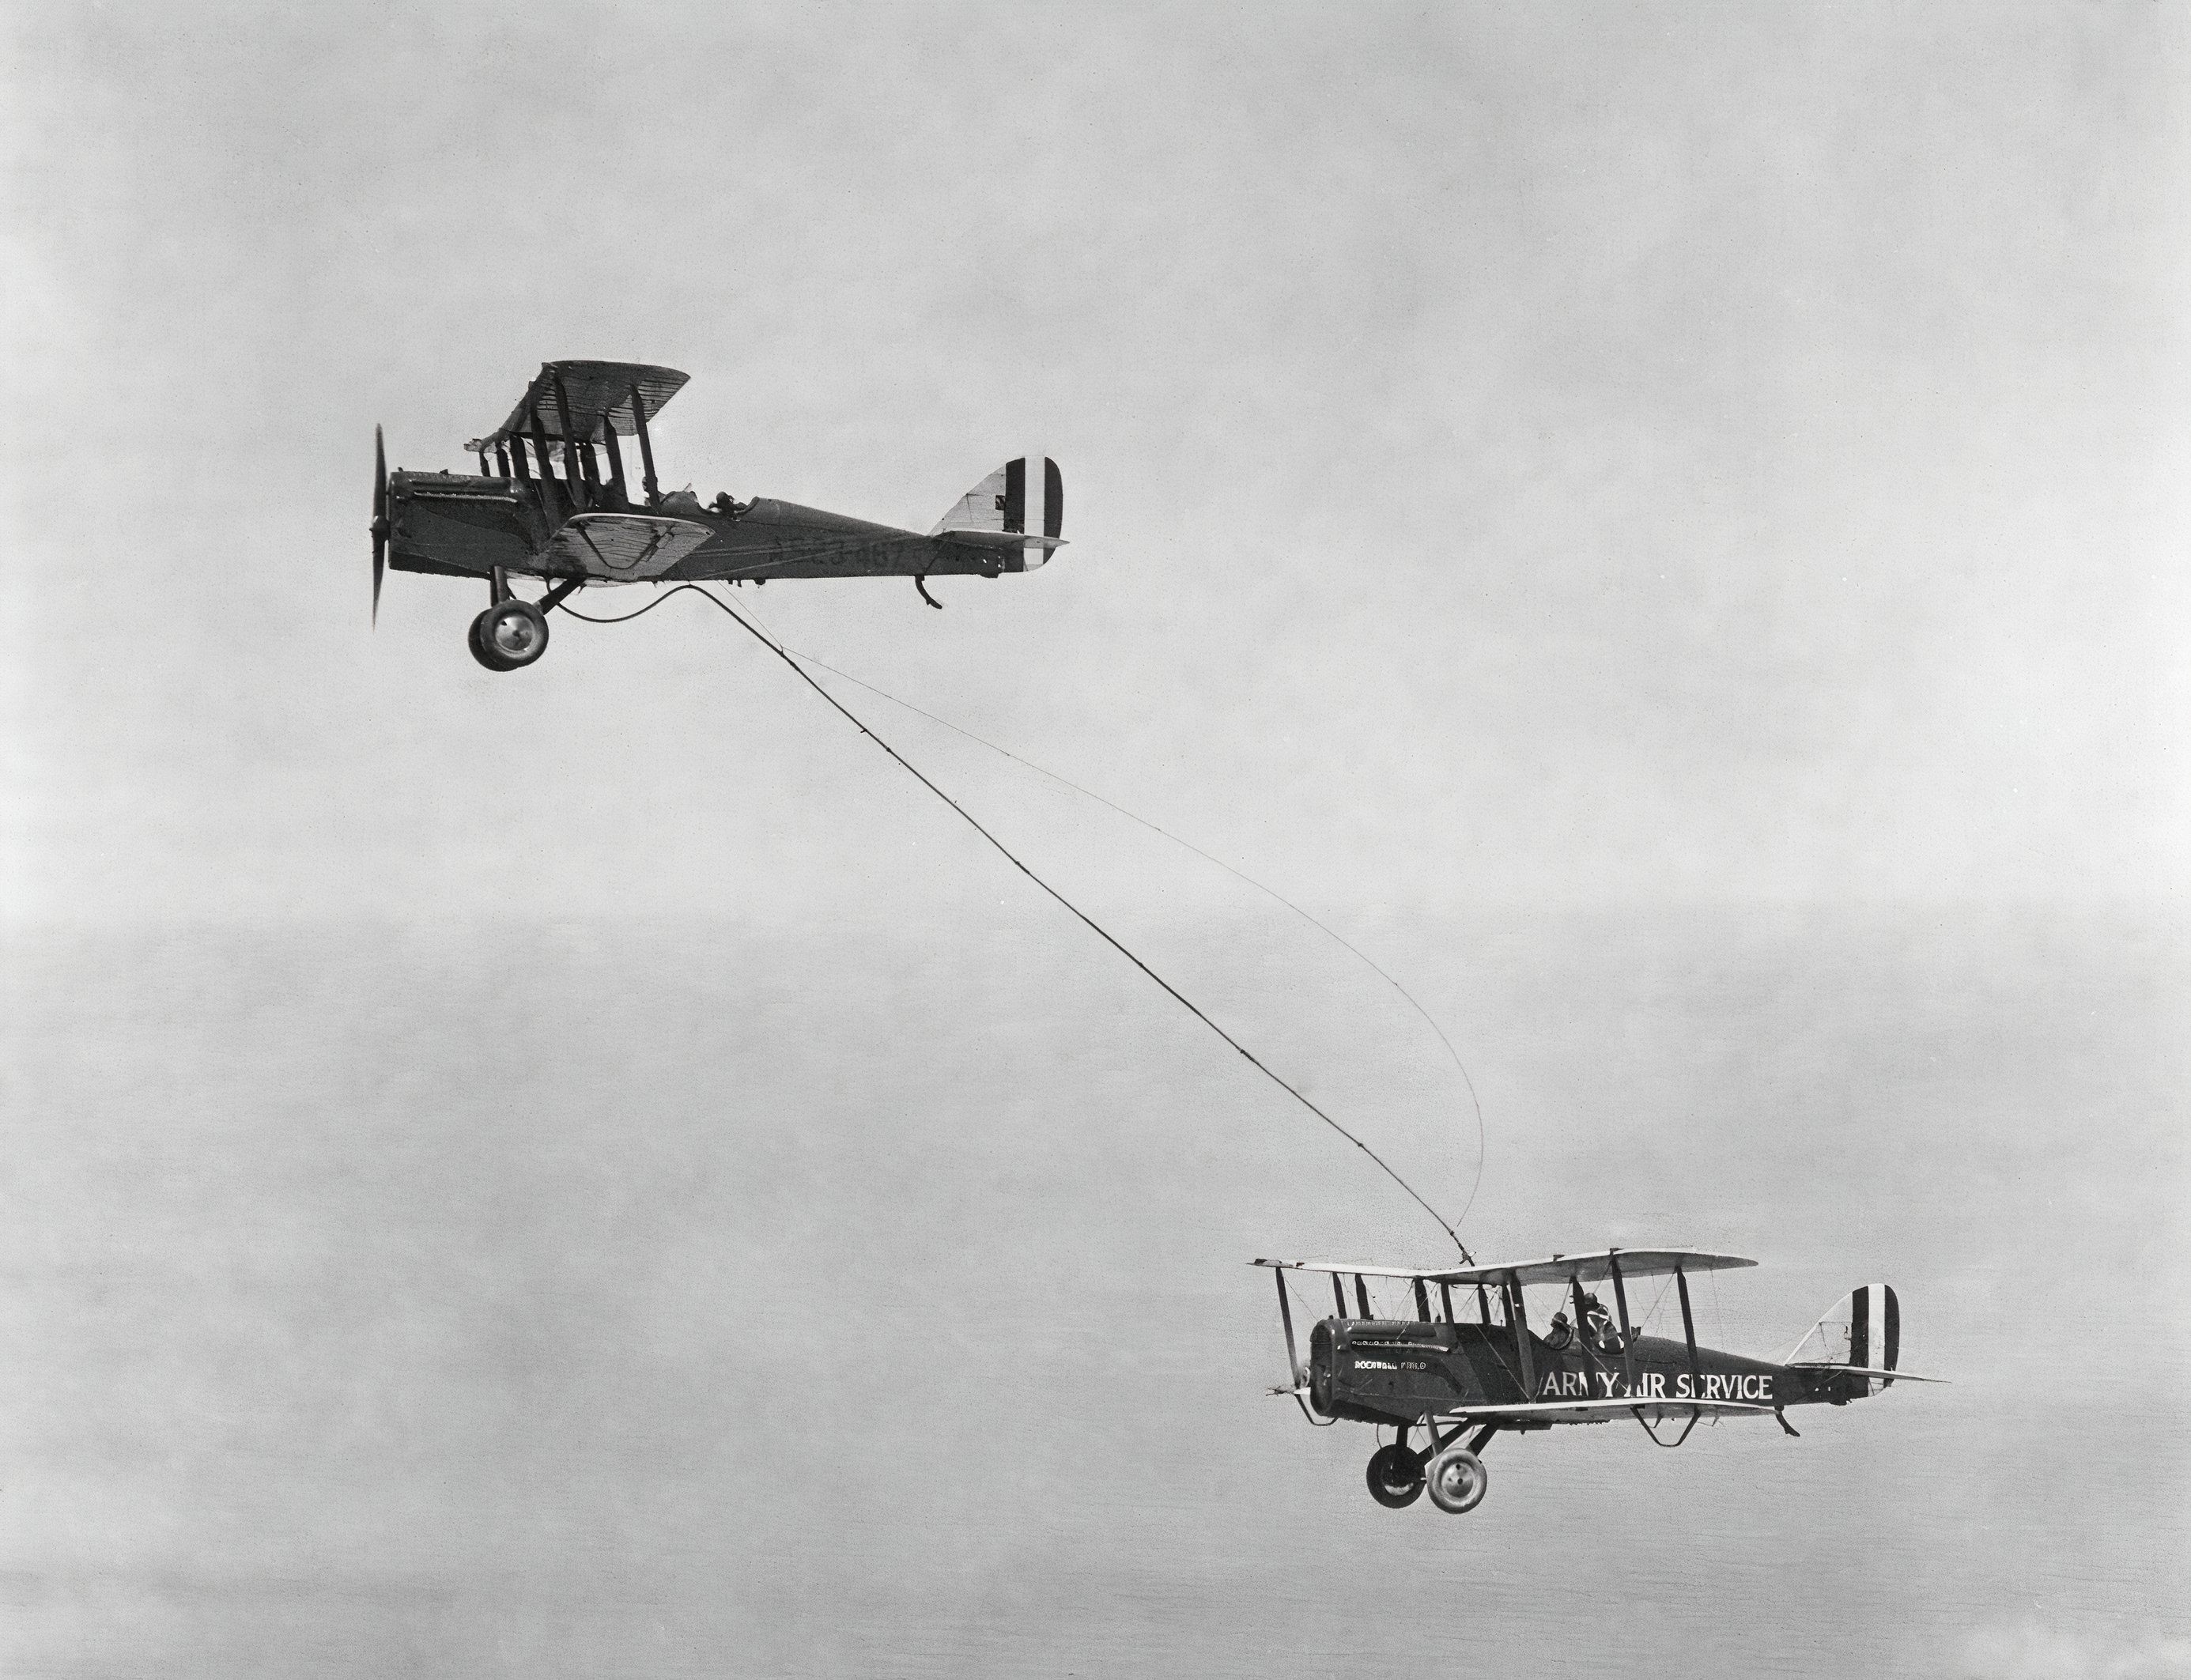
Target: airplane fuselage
[461,525]
[1393,1371]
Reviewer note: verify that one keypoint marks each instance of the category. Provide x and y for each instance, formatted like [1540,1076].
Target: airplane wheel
[1457,1480]
[509,634]
[1396,1477]
[479,648]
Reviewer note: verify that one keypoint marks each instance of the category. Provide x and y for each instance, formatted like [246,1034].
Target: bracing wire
[1371,963]
[1095,927]
[1467,1081]
[626,617]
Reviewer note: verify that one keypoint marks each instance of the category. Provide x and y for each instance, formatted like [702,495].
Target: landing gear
[1396,1477]
[508,634]
[1457,1480]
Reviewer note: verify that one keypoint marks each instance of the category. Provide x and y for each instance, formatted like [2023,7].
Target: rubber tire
[1457,1480]
[1395,1478]
[479,648]
[511,634]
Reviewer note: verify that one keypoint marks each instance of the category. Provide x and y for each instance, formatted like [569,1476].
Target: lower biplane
[1461,1376]
[550,501]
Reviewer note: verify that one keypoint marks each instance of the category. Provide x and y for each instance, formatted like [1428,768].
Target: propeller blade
[379,519]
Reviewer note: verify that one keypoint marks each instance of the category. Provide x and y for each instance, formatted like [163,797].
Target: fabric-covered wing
[598,394]
[621,547]
[1598,1411]
[1590,1269]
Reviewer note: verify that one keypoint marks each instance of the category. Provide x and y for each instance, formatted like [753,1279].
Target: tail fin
[1863,1329]
[1005,501]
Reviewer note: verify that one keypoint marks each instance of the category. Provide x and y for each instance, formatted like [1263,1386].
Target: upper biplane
[551,501]
[1462,1375]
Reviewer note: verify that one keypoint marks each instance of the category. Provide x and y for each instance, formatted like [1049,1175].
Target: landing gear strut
[1453,1472]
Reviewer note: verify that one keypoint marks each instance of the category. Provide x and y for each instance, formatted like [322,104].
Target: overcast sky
[1509,456]
[1667,523]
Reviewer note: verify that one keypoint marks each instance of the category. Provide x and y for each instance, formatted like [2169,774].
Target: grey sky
[1666,523]
[1698,454]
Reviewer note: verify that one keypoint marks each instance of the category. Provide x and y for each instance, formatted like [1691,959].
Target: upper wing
[1589,1268]
[598,395]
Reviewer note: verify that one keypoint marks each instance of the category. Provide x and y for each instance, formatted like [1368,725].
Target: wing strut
[1518,1310]
[616,467]
[551,493]
[574,468]
[1688,1328]
[1627,1337]
[646,448]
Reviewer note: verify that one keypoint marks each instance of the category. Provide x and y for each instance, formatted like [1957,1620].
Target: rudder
[1000,503]
[1862,1329]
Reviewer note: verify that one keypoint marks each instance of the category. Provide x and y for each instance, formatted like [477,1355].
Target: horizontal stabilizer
[621,547]
[996,539]
[1861,1370]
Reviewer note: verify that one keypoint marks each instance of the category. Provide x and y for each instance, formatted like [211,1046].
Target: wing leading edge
[1595,1411]
[1589,1268]
[598,395]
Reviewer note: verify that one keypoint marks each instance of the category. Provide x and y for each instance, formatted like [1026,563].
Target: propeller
[379,519]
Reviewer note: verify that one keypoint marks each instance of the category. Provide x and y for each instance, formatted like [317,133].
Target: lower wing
[1596,1411]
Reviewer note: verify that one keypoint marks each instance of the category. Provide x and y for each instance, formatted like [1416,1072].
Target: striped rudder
[1013,500]
[1864,1330]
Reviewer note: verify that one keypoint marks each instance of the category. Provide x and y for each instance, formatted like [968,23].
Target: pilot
[1559,1333]
[728,505]
[682,502]
[1597,1323]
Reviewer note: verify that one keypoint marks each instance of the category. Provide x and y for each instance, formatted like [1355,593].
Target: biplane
[1475,1366]
[551,501]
